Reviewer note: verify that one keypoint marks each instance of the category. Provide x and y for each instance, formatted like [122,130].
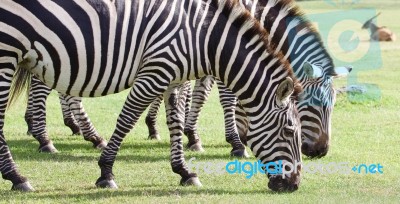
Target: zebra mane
[244,18]
[295,12]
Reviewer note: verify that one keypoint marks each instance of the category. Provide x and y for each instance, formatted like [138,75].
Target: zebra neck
[239,56]
[291,34]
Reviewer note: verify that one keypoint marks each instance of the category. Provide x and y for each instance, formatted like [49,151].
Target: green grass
[366,132]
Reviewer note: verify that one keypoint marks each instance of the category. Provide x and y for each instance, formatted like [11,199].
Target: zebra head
[315,109]
[275,138]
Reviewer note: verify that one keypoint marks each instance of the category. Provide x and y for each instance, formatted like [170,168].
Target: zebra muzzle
[287,183]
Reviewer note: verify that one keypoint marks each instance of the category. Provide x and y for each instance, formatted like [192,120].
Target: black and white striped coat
[94,48]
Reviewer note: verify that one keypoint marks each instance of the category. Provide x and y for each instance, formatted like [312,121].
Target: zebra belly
[97,85]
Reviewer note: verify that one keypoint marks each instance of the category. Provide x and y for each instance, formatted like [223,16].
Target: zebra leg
[8,168]
[40,92]
[136,103]
[151,118]
[88,131]
[175,99]
[29,112]
[68,117]
[242,123]
[188,94]
[228,102]
[200,94]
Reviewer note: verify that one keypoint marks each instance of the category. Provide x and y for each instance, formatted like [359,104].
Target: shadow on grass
[144,151]
[94,193]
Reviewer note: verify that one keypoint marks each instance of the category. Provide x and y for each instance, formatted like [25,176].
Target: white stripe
[12,49]
[11,60]
[254,7]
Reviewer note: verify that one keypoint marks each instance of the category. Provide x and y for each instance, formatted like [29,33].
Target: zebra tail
[21,83]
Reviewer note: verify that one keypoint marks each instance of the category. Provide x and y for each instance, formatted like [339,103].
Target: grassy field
[363,132]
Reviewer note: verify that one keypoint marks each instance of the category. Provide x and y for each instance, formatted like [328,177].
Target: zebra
[301,44]
[74,115]
[95,48]
[312,64]
[315,140]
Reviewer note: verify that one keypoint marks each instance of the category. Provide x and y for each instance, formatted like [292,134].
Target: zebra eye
[288,130]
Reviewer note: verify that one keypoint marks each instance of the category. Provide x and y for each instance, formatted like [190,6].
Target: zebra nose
[315,150]
[305,149]
[288,184]
[323,150]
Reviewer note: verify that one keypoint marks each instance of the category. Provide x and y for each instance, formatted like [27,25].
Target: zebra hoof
[196,147]
[154,137]
[104,183]
[77,133]
[192,181]
[49,148]
[240,153]
[102,145]
[23,187]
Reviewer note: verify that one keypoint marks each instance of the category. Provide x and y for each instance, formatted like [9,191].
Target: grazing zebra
[301,45]
[294,36]
[94,48]
[74,115]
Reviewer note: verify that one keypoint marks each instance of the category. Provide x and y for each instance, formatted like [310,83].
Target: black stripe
[104,20]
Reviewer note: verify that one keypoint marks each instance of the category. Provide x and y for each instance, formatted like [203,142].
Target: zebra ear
[343,71]
[284,91]
[312,71]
